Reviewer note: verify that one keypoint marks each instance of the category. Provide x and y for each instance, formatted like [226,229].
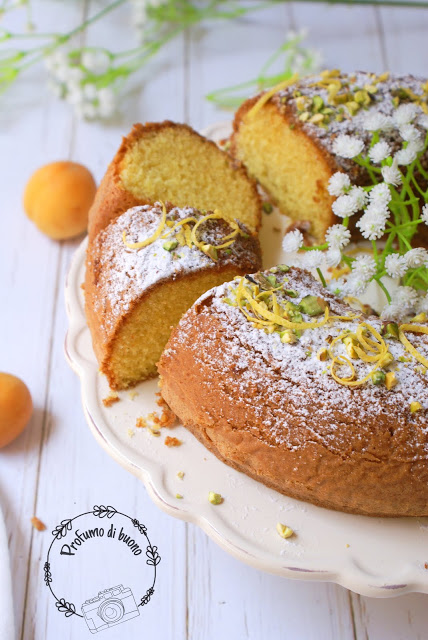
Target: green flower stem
[384,289]
[321,277]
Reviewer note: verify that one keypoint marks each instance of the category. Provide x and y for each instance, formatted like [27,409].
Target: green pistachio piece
[378,377]
[312,305]
[170,245]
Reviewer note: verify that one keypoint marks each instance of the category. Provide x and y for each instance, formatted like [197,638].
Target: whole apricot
[16,407]
[57,199]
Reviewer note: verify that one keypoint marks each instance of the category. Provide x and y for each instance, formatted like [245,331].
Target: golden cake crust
[119,279]
[266,409]
[319,139]
[112,199]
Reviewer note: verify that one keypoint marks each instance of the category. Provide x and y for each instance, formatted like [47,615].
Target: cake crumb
[131,433]
[347,545]
[38,524]
[111,399]
[426,565]
[180,475]
[141,423]
[155,432]
[132,394]
[172,442]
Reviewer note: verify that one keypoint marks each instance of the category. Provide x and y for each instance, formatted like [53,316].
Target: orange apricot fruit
[16,407]
[58,197]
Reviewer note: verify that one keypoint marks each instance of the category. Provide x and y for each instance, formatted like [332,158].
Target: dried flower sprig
[391,210]
[292,57]
[90,78]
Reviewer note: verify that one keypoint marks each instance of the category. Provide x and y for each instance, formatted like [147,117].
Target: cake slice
[171,162]
[286,139]
[144,270]
[283,381]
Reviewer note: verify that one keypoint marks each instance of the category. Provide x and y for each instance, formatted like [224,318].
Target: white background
[55,469]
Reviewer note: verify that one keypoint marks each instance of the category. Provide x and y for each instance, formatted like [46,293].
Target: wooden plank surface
[56,468]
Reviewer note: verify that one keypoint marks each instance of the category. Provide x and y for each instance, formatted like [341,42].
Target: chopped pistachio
[312,305]
[404,359]
[291,292]
[390,380]
[170,245]
[317,103]
[378,377]
[322,354]
[386,360]
[390,330]
[267,207]
[215,498]
[288,337]
[304,116]
[284,531]
[317,118]
[179,496]
[415,406]
[283,267]
[272,280]
[308,353]
[350,350]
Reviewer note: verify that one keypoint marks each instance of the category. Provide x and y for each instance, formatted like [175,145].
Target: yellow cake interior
[176,165]
[288,165]
[145,331]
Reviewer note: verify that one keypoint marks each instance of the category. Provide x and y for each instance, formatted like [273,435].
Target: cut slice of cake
[171,162]
[144,270]
[286,140]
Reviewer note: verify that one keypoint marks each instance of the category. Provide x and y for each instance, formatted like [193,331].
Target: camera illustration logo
[109,607]
[76,541]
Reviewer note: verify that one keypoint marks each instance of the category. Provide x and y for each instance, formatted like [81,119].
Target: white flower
[405,298]
[380,151]
[372,223]
[95,61]
[344,206]
[416,258]
[90,92]
[417,145]
[392,175]
[359,196]
[333,257]
[337,287]
[380,194]
[422,304]
[405,156]
[337,236]
[405,113]
[391,312]
[313,259]
[107,102]
[409,133]
[396,265]
[376,121]
[356,284]
[292,241]
[423,121]
[338,184]
[57,59]
[347,146]
[424,214]
[364,266]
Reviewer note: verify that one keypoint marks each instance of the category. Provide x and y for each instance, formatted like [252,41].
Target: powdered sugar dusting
[122,273]
[382,102]
[291,393]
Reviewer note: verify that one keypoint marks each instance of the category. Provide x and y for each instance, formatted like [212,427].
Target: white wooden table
[56,468]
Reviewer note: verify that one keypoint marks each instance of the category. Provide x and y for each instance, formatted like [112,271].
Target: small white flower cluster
[405,301]
[141,10]
[74,80]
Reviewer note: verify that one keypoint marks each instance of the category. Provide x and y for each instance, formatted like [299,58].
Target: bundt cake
[144,270]
[171,162]
[286,138]
[283,381]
